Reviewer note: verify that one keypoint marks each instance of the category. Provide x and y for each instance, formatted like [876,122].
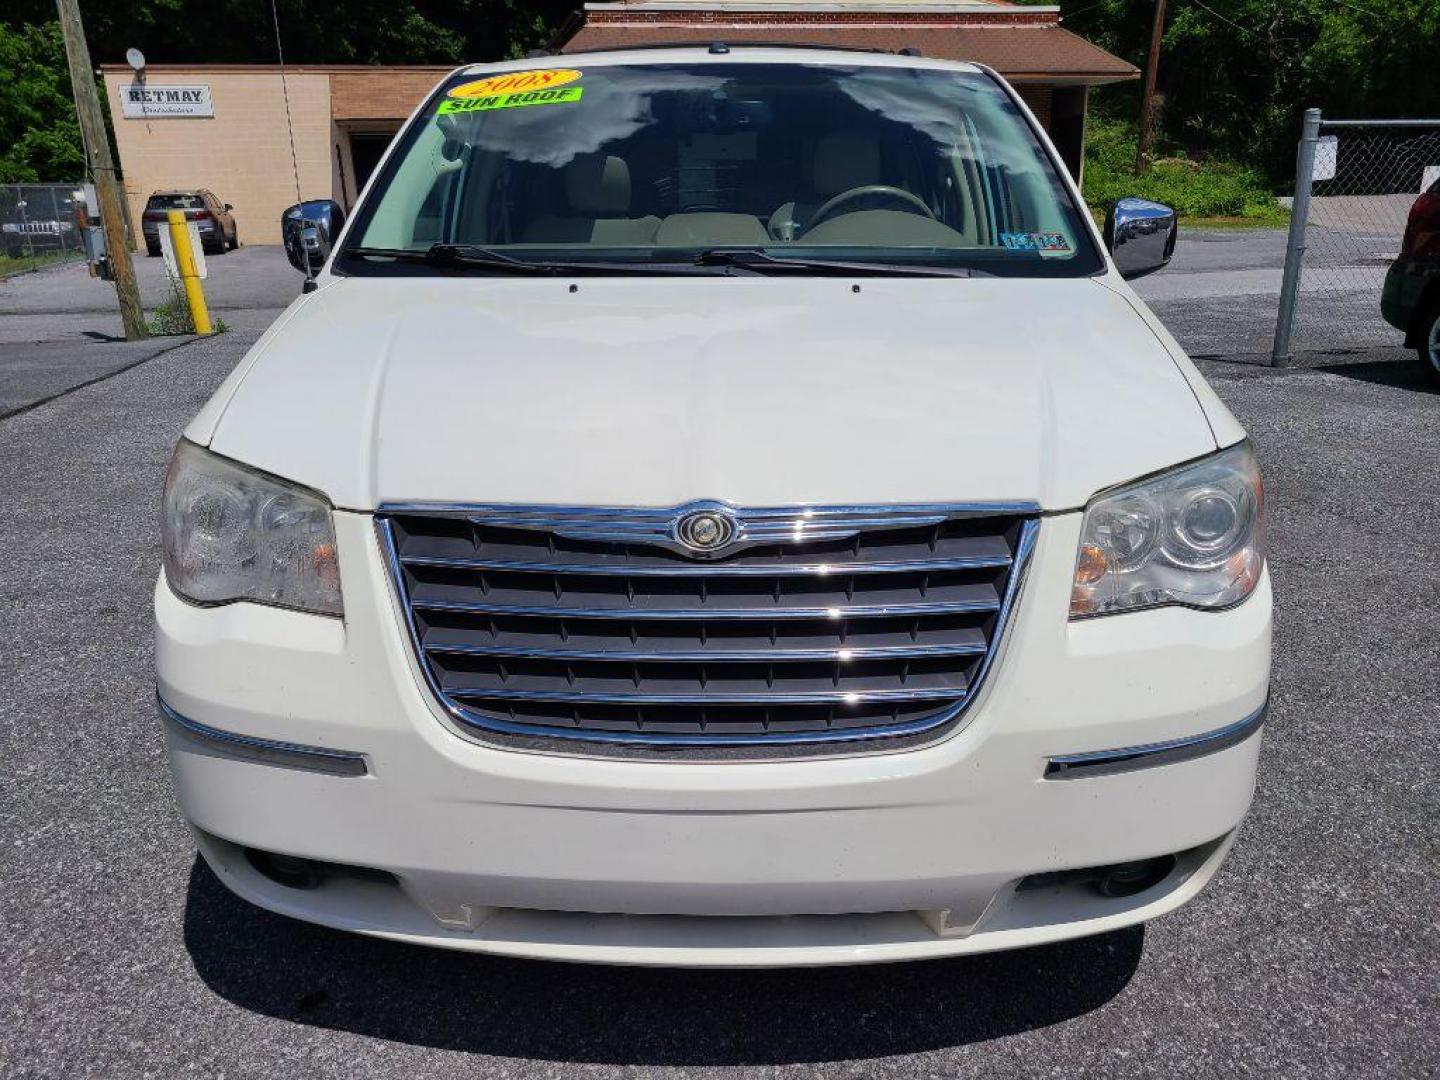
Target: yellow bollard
[185,261]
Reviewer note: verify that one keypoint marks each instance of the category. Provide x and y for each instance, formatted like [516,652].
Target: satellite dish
[136,59]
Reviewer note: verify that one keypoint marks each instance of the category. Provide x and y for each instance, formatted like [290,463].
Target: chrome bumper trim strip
[265,751]
[1106,762]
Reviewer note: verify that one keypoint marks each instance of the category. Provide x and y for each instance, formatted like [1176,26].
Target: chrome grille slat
[811,625]
[704,570]
[719,656]
[724,614]
[586,697]
[610,635]
[461,539]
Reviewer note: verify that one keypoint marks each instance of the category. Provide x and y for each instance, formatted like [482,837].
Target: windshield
[659,163]
[175,202]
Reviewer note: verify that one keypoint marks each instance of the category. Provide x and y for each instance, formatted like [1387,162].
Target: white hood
[759,390]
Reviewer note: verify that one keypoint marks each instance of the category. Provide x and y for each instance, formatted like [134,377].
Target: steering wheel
[910,203]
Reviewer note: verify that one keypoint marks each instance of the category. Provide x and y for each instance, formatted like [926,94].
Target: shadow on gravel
[637,1016]
[1381,366]
[1404,375]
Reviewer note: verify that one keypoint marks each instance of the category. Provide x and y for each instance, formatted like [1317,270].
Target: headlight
[1193,536]
[231,533]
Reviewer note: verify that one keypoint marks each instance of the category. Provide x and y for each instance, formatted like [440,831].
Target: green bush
[1193,188]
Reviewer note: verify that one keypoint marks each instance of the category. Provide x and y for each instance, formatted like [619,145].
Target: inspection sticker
[1037,241]
[556,96]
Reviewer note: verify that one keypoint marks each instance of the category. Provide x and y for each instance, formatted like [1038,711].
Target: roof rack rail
[714,46]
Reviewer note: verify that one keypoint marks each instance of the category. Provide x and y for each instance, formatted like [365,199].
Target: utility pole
[102,168]
[1147,101]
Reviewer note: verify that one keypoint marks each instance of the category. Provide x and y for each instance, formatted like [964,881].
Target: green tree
[39,136]
[313,31]
[1236,75]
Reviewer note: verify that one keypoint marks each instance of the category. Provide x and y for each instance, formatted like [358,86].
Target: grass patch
[173,316]
[20,264]
[1208,192]
[1259,222]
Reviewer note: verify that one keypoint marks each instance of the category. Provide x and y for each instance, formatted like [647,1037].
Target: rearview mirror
[309,230]
[1140,235]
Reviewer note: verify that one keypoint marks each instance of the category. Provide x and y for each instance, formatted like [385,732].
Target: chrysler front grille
[809,625]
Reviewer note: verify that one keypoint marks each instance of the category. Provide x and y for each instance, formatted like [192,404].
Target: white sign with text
[139,101]
[1327,153]
[167,250]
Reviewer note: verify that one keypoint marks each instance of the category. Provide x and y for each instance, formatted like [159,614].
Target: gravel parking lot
[1315,953]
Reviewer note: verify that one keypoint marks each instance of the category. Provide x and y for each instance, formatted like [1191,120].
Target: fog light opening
[1130,879]
[285,870]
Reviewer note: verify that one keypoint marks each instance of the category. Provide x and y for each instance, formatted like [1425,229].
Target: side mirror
[229,207]
[1140,235]
[309,230]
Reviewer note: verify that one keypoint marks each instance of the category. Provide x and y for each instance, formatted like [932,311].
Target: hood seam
[1179,370]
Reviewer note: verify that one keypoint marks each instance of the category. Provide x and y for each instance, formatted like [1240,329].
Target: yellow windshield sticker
[557,96]
[514,82]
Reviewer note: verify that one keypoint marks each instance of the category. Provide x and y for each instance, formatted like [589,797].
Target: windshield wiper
[755,260]
[762,262]
[470,256]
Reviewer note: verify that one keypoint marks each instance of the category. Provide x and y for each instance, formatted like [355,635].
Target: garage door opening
[366,150]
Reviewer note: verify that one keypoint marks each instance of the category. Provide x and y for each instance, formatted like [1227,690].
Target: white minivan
[716,506]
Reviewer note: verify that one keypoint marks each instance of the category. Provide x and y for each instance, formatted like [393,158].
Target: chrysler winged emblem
[705,531]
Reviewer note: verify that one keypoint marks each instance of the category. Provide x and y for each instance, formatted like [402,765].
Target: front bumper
[151,229]
[864,856]
[1407,284]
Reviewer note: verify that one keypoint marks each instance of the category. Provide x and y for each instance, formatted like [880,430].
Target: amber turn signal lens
[324,561]
[1244,568]
[1091,565]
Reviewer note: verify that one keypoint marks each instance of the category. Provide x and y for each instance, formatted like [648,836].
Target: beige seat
[711,229]
[842,161]
[597,186]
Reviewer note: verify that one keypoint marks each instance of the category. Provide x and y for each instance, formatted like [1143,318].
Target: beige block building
[343,118]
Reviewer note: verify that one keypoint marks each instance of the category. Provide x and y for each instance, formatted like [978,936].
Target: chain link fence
[1355,183]
[38,221]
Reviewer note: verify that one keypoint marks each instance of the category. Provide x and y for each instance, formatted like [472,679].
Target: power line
[1366,11]
[1224,19]
[1081,11]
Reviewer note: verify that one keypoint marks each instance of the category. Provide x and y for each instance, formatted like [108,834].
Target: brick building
[224,127]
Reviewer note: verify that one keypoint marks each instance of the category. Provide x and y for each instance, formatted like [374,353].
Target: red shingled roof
[1023,52]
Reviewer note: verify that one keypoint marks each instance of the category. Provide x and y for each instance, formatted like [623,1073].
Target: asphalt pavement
[1313,954]
[245,288]
[60,328]
[1220,294]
